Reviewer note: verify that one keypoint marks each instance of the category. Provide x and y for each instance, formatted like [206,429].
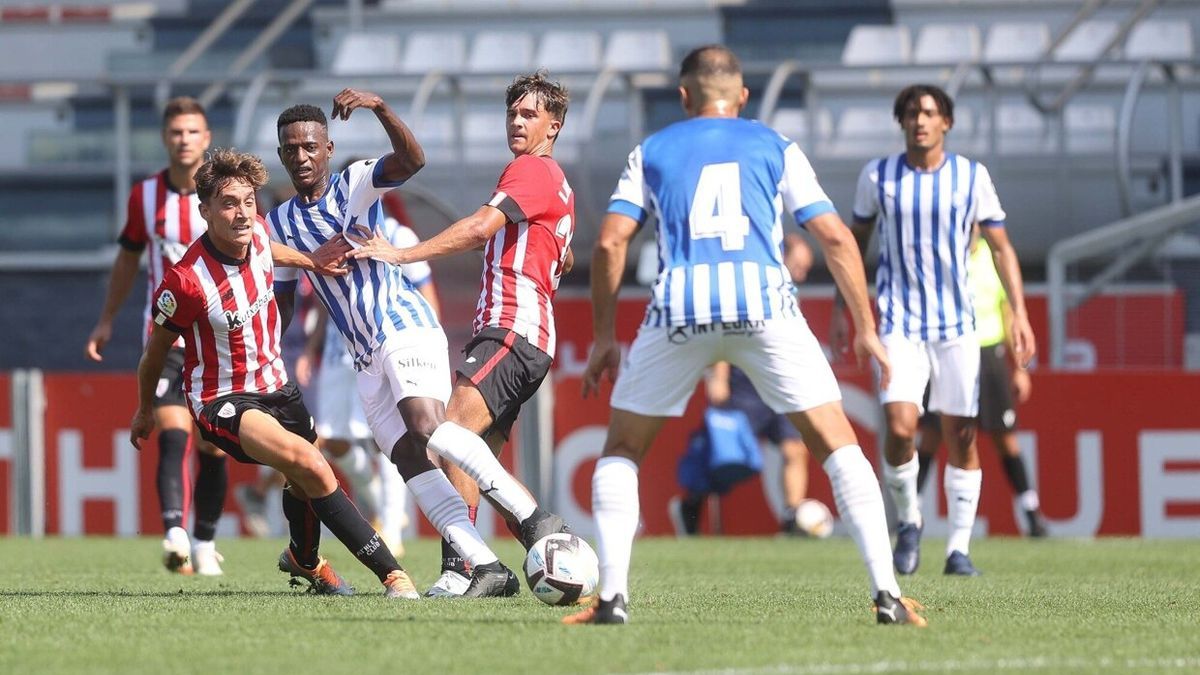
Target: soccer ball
[562,569]
[814,519]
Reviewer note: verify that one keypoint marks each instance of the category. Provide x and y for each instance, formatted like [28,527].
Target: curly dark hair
[303,112]
[225,165]
[911,95]
[552,95]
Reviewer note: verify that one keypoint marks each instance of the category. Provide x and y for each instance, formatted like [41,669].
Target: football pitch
[702,605]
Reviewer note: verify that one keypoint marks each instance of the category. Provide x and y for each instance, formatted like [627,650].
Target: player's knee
[902,431]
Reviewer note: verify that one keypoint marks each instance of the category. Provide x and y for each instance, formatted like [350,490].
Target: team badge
[166,303]
[226,411]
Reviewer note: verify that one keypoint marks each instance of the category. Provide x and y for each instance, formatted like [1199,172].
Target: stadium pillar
[28,506]
[535,443]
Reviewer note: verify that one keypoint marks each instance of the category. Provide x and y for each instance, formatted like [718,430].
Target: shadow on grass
[146,594]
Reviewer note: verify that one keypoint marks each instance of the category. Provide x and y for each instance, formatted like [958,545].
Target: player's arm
[608,266]
[569,262]
[844,257]
[467,234]
[1019,380]
[1009,269]
[326,259]
[120,282]
[149,371]
[407,156]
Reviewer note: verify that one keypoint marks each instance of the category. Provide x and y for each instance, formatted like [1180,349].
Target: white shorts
[780,356]
[340,413]
[416,364]
[949,367]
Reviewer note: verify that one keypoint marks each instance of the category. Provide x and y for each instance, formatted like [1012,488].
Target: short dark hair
[225,165]
[912,95]
[552,95]
[710,60]
[301,113]
[183,105]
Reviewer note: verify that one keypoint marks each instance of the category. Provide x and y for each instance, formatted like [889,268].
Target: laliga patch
[166,303]
[226,411]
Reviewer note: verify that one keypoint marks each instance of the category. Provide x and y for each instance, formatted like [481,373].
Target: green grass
[744,605]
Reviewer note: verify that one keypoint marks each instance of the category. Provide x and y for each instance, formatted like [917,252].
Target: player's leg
[998,418]
[403,392]
[794,473]
[455,573]
[392,498]
[212,481]
[263,437]
[174,423]
[342,427]
[658,378]
[792,375]
[930,427]
[954,392]
[902,407]
[501,372]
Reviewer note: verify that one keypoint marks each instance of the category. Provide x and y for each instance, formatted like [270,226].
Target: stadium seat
[425,51]
[639,50]
[877,46]
[484,140]
[1016,42]
[1090,127]
[793,123]
[1020,129]
[1087,42]
[366,53]
[505,52]
[866,132]
[1160,40]
[569,50]
[947,43]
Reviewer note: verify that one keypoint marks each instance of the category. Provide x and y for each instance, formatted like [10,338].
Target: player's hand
[868,347]
[304,369]
[1022,386]
[605,358]
[1023,342]
[329,259]
[839,333]
[96,341]
[141,426]
[350,99]
[372,244]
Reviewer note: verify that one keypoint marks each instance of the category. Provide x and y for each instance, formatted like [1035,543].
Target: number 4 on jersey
[717,207]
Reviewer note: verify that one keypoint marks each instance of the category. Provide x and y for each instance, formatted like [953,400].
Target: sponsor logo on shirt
[236,320]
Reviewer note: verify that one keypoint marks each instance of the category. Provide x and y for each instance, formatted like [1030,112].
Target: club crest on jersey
[166,303]
[226,411]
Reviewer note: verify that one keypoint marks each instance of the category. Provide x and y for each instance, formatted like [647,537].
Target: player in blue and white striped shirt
[718,185]
[924,202]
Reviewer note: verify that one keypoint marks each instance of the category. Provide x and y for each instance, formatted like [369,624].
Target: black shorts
[221,420]
[764,422]
[996,409]
[507,370]
[169,390]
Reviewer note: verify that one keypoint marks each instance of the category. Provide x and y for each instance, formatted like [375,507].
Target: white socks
[445,508]
[474,457]
[615,509]
[860,505]
[1029,500]
[962,500]
[901,482]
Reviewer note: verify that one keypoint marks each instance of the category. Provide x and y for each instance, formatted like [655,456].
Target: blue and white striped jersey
[417,273]
[924,220]
[718,187]
[374,300]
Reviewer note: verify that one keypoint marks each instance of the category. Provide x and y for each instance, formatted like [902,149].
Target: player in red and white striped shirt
[164,216]
[220,298]
[525,230]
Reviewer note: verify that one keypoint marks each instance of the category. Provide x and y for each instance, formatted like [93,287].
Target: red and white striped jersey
[166,220]
[524,259]
[225,311]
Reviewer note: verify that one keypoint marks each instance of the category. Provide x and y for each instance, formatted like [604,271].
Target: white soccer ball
[562,569]
[814,519]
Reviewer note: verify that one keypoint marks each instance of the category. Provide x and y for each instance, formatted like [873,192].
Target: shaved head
[711,73]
